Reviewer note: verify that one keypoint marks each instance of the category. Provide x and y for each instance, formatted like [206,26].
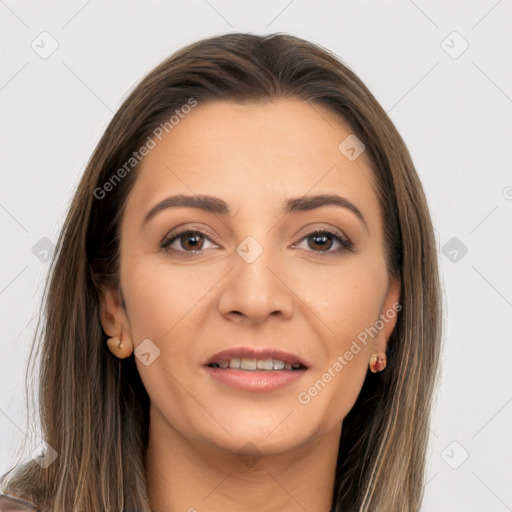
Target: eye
[322,240]
[190,240]
[193,241]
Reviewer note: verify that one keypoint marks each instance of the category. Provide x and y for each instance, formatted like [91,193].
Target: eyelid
[320,226]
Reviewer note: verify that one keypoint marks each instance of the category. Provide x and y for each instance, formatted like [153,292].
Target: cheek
[164,305]
[349,308]
[347,298]
[160,298]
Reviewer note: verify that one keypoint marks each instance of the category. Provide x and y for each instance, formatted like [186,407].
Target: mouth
[255,369]
[257,359]
[257,365]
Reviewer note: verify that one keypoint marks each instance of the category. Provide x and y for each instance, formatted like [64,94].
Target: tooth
[265,364]
[278,364]
[248,364]
[251,364]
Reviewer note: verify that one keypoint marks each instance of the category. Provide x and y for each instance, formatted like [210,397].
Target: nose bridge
[254,289]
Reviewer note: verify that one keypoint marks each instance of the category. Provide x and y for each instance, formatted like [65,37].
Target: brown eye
[320,241]
[323,240]
[186,241]
[192,241]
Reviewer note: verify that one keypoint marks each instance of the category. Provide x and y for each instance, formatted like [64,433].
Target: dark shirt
[10,503]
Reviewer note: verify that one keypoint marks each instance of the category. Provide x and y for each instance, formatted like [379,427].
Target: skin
[296,296]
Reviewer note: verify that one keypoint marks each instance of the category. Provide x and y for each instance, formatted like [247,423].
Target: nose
[255,290]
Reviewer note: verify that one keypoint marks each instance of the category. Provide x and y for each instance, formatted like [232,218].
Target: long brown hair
[93,407]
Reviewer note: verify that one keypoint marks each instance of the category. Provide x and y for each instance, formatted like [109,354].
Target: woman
[244,308]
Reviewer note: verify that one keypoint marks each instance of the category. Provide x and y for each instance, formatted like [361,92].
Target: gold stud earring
[119,348]
[115,344]
[377,363]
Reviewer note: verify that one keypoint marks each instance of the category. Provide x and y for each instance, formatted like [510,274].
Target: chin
[255,440]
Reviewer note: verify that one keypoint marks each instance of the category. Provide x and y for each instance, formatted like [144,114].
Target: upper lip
[256,353]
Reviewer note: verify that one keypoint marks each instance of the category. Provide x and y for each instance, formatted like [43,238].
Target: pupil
[192,240]
[323,239]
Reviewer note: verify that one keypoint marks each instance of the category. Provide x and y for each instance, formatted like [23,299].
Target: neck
[196,476]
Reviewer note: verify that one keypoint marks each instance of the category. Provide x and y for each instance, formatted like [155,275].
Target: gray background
[452,106]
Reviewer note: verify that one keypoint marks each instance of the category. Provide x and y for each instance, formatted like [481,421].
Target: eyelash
[347,245]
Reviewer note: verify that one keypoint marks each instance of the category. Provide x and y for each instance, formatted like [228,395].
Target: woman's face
[254,274]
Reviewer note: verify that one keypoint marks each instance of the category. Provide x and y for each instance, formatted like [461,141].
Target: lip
[257,380]
[257,353]
[254,381]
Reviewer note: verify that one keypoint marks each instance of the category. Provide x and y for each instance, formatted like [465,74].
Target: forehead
[267,151]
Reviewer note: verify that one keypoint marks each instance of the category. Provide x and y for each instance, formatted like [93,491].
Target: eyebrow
[218,206]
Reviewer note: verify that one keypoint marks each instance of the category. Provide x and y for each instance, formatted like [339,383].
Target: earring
[120,349]
[377,363]
[115,344]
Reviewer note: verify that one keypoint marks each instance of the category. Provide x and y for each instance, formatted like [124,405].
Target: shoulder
[9,503]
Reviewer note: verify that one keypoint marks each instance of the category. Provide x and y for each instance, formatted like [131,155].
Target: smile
[252,364]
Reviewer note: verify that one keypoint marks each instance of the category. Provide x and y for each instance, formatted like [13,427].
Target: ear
[114,322]
[388,316]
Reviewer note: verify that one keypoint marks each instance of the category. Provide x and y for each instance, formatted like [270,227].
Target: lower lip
[256,380]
